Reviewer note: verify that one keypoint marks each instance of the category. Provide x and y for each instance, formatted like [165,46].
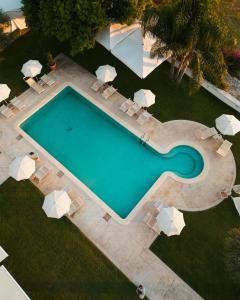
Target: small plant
[51,62]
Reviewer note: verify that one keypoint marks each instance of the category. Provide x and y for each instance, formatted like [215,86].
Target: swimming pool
[103,154]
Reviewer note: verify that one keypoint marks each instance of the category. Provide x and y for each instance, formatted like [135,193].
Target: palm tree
[195,33]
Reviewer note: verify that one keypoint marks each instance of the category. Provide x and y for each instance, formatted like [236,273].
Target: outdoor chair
[97,85]
[206,133]
[34,85]
[47,80]
[151,222]
[126,105]
[6,111]
[40,174]
[76,205]
[18,104]
[108,92]
[143,118]
[224,148]
[236,188]
[134,109]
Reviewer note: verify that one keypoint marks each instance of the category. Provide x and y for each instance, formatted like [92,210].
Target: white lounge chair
[224,148]
[143,118]
[151,222]
[41,173]
[108,92]
[126,104]
[47,80]
[236,188]
[17,103]
[97,85]
[76,205]
[6,111]
[133,109]
[206,133]
[34,85]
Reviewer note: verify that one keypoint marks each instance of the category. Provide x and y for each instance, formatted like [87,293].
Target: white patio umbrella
[106,73]
[228,124]
[4,92]
[144,98]
[170,221]
[31,68]
[22,167]
[56,204]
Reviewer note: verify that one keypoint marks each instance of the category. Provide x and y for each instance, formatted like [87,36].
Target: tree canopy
[195,32]
[125,11]
[76,21]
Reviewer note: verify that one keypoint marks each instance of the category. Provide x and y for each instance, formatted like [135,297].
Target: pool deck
[127,246]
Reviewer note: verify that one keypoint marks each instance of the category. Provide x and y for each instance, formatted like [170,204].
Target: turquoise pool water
[105,156]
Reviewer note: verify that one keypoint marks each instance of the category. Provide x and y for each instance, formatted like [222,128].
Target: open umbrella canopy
[31,68]
[56,204]
[144,98]
[106,73]
[228,124]
[4,92]
[22,167]
[170,221]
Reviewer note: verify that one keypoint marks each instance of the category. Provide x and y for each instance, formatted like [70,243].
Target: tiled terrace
[127,246]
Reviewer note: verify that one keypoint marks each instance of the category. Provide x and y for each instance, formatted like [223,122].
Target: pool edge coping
[129,127]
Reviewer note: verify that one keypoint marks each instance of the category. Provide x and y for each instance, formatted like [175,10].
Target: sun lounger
[34,85]
[76,205]
[133,109]
[151,222]
[47,80]
[204,134]
[126,105]
[97,85]
[236,188]
[41,173]
[108,92]
[17,103]
[224,148]
[6,111]
[143,118]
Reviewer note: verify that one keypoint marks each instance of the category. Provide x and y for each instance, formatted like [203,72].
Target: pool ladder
[144,138]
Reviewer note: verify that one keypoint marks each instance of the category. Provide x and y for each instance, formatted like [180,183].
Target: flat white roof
[9,288]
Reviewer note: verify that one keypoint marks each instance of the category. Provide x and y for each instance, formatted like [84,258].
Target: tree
[195,33]
[232,254]
[5,39]
[75,21]
[125,11]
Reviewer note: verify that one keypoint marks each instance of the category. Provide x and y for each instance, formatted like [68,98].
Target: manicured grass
[51,259]
[201,243]
[197,254]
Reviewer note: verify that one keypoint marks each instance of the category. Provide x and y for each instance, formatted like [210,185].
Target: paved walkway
[127,246]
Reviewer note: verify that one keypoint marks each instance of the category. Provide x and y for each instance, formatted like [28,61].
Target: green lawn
[197,255]
[50,258]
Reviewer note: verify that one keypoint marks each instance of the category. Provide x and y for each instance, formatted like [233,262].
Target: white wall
[220,94]
[10,4]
